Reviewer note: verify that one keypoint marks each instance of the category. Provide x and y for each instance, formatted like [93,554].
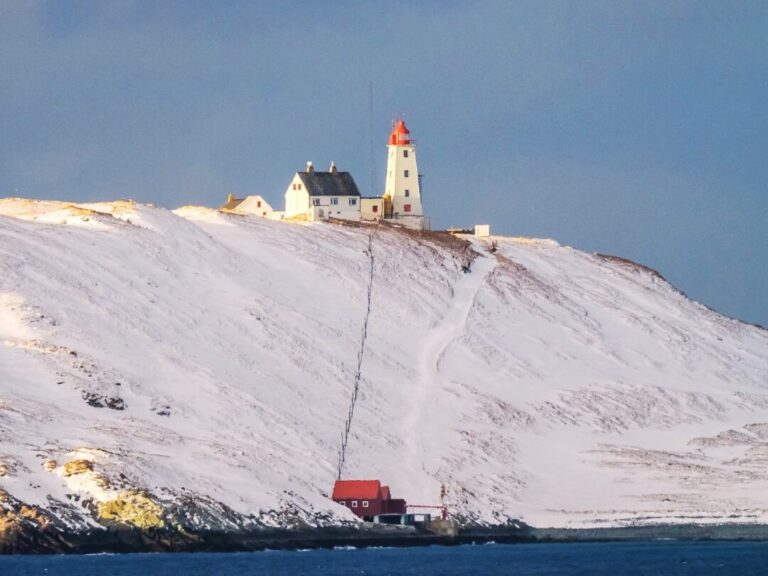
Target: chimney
[230,198]
[310,168]
[332,169]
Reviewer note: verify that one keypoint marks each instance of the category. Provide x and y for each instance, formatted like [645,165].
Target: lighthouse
[402,191]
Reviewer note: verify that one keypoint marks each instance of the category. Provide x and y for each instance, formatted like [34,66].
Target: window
[407,208]
[365,503]
[298,186]
[375,209]
[258,204]
[353,201]
[407,193]
[405,153]
[334,201]
[354,503]
[315,201]
[343,502]
[263,213]
[405,173]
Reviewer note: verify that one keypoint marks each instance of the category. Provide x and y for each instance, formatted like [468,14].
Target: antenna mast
[370,133]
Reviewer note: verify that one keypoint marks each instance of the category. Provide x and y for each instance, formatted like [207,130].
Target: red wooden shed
[366,498]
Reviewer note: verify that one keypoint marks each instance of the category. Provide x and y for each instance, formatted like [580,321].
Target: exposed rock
[101,401]
[8,524]
[34,515]
[114,403]
[162,410]
[759,429]
[725,438]
[77,467]
[17,516]
[132,509]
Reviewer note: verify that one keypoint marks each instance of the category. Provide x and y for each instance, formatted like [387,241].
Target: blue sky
[631,128]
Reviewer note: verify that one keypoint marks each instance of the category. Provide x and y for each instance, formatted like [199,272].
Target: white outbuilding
[482,230]
[249,205]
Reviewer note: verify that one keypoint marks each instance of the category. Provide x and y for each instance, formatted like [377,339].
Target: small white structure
[482,230]
[249,205]
[402,191]
[315,195]
[372,208]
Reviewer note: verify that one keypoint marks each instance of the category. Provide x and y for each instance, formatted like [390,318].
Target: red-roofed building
[366,498]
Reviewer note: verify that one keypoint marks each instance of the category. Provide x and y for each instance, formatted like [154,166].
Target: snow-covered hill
[195,368]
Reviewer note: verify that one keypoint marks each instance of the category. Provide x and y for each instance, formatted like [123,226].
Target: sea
[593,559]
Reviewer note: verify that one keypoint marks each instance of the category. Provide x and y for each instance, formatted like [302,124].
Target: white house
[402,191]
[313,195]
[249,205]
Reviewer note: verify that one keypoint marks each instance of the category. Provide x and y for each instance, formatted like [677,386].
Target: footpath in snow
[422,425]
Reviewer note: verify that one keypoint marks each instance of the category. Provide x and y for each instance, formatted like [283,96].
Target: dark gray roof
[329,183]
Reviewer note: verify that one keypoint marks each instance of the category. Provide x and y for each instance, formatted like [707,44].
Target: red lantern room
[400,135]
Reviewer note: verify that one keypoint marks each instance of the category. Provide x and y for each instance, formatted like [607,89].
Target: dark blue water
[662,558]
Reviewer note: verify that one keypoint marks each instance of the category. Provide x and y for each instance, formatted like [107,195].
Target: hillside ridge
[193,369]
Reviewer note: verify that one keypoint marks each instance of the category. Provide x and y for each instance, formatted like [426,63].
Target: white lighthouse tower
[402,191]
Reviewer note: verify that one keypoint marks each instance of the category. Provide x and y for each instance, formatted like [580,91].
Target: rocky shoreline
[55,541]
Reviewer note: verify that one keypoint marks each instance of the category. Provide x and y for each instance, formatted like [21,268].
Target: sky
[631,128]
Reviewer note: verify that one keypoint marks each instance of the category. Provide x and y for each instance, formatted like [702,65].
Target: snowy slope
[199,365]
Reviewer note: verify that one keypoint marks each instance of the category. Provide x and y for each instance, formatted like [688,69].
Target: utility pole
[372,158]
